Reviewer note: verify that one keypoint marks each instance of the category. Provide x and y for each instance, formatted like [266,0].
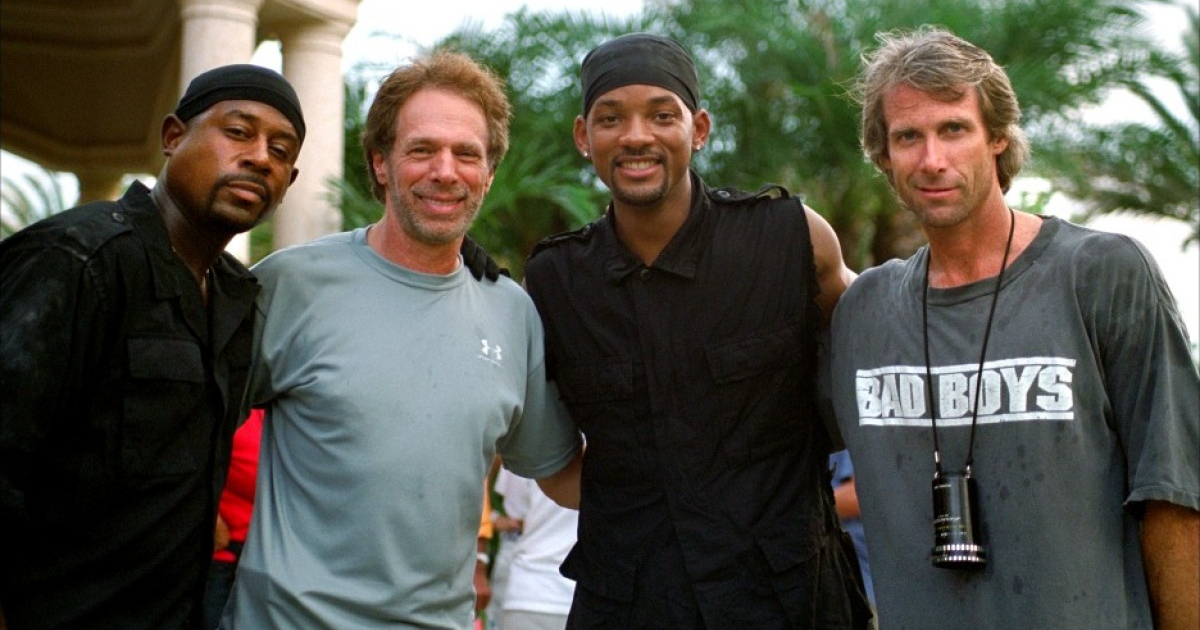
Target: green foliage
[775,75]
[543,187]
[1134,167]
[30,199]
[357,202]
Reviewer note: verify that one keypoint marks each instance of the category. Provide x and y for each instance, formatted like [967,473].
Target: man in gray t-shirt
[1083,442]
[392,379]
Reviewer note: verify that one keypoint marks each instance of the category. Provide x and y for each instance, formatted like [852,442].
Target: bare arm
[563,486]
[483,584]
[221,535]
[1171,546]
[833,276]
[845,500]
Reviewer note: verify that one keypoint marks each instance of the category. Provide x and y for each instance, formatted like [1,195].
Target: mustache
[430,190]
[935,181]
[634,154]
[251,178]
[638,153]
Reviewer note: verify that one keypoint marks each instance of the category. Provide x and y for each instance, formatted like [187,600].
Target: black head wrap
[639,59]
[241,82]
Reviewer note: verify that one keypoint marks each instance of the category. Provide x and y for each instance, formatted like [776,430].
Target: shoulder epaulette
[104,220]
[87,227]
[735,195]
[582,234]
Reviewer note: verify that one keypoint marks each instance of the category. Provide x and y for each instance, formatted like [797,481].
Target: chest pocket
[755,353]
[166,427]
[756,404]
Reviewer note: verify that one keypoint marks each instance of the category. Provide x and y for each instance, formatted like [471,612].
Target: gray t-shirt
[389,392]
[1089,408]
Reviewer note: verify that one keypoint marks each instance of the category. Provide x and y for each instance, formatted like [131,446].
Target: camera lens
[956,543]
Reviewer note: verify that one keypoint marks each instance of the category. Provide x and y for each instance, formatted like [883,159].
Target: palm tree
[542,187]
[777,73]
[34,197]
[1149,170]
[358,204]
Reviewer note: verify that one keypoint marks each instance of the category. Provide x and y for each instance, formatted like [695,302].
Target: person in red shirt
[233,516]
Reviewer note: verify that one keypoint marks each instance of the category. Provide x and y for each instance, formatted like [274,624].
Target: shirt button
[644,274]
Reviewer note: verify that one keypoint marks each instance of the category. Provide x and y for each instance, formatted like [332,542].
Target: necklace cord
[987,333]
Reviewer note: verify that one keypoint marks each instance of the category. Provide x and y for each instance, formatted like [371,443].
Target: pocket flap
[165,358]
[751,354]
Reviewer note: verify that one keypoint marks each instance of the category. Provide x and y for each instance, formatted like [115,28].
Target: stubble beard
[940,216]
[428,232]
[233,218]
[935,215]
[639,196]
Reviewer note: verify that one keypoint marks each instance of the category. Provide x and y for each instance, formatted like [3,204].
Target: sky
[424,22]
[390,32]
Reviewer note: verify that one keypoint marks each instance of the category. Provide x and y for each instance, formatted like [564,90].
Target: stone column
[312,60]
[217,33]
[98,186]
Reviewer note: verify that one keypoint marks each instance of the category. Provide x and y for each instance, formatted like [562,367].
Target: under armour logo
[490,352]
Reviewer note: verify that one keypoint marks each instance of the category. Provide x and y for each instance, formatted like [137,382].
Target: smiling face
[229,167]
[436,173]
[940,160]
[640,139]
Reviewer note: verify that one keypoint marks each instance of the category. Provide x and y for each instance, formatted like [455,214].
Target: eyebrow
[457,145]
[251,117]
[955,120]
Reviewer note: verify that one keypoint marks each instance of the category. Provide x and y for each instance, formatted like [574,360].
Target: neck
[646,230]
[197,249]
[972,252]
[389,240]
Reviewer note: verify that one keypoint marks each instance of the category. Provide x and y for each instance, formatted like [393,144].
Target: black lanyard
[987,332]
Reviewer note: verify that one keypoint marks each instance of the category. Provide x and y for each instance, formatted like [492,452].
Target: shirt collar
[680,257]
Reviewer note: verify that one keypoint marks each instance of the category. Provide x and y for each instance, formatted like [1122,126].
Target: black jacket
[119,395]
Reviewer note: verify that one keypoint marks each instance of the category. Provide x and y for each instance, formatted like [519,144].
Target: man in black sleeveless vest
[682,332]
